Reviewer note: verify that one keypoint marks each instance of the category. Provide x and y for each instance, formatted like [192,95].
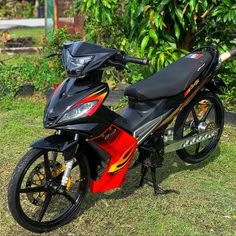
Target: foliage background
[162,30]
[16,9]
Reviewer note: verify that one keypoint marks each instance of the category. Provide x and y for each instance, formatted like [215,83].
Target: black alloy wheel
[34,198]
[204,113]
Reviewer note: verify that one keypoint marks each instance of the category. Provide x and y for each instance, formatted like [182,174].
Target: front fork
[67,171]
[53,156]
[66,174]
[68,167]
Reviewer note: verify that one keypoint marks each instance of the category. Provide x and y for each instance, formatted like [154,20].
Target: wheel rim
[203,117]
[54,207]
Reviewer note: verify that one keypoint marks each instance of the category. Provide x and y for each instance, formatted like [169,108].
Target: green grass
[37,34]
[15,59]
[206,204]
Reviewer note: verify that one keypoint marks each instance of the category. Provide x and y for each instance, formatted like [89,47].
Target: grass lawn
[14,59]
[206,204]
[37,34]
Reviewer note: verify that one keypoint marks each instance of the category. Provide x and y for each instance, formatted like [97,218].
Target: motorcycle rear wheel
[32,196]
[204,111]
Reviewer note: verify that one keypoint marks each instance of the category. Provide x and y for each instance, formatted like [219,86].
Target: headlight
[78,112]
[75,64]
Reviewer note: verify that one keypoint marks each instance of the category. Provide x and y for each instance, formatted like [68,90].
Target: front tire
[205,110]
[31,199]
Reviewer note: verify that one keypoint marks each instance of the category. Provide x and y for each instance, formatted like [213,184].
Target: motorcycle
[93,147]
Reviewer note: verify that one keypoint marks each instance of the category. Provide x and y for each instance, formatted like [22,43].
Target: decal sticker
[194,56]
[120,147]
[201,67]
[191,87]
[98,96]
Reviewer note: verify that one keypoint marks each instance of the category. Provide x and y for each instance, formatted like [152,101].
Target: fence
[62,16]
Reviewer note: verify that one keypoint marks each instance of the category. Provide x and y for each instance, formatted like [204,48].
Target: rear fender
[216,85]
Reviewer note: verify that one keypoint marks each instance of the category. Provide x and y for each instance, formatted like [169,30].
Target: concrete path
[21,23]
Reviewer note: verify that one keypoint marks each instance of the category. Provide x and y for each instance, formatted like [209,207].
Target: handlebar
[53,54]
[136,60]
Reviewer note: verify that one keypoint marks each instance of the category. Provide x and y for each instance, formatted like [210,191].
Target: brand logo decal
[194,56]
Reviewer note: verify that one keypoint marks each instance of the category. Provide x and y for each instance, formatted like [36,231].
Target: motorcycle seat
[171,80]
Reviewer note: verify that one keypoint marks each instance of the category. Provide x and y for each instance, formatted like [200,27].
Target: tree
[163,28]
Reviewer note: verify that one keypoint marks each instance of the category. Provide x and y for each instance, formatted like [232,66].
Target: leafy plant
[11,9]
[162,30]
[41,2]
[228,74]
[36,71]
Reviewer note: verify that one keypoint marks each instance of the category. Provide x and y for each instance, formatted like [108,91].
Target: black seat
[171,80]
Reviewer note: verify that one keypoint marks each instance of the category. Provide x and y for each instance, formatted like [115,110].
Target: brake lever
[127,69]
[119,66]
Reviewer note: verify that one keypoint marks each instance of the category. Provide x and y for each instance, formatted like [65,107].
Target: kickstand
[157,188]
[144,170]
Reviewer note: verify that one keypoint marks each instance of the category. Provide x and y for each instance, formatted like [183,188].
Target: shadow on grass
[172,165]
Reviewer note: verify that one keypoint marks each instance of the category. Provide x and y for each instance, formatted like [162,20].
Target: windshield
[79,58]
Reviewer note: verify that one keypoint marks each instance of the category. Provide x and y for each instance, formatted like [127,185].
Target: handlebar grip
[137,60]
[227,55]
[233,52]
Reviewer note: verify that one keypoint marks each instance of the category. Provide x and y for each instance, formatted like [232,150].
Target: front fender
[58,143]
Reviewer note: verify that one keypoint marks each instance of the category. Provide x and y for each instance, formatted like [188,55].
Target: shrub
[228,74]
[12,9]
[163,30]
[36,71]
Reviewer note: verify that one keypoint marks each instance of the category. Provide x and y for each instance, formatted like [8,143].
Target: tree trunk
[186,42]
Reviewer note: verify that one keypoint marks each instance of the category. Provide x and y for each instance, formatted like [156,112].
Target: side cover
[120,147]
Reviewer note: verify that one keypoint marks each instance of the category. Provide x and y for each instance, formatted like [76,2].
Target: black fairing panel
[58,143]
[96,124]
[82,49]
[139,113]
[70,92]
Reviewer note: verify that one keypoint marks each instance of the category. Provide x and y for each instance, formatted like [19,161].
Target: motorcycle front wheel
[33,197]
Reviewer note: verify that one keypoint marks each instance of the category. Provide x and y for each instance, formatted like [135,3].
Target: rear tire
[184,119]
[15,192]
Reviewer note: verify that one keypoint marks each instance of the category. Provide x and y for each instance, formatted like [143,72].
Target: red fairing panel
[120,146]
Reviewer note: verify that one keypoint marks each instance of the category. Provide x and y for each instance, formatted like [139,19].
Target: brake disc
[37,177]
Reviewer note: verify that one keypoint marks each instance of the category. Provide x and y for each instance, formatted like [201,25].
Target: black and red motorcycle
[93,147]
